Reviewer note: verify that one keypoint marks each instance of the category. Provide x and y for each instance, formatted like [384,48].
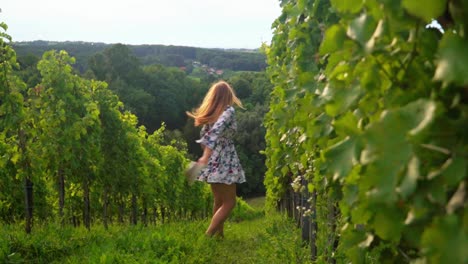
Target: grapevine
[370,106]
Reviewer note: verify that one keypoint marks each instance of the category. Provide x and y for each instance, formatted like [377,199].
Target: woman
[223,169]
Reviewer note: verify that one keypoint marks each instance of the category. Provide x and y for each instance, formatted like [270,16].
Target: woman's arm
[210,138]
[206,155]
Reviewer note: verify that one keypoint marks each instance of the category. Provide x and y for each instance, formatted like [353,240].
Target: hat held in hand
[193,170]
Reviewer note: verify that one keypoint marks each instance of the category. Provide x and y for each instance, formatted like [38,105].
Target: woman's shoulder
[230,108]
[229,111]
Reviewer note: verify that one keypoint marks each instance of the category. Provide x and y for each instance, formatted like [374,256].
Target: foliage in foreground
[369,116]
[261,240]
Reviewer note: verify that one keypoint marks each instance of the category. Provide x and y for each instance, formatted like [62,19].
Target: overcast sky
[198,23]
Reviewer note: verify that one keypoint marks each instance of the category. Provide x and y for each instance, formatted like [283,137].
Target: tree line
[170,56]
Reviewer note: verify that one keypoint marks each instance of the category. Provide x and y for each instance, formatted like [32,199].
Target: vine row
[368,122]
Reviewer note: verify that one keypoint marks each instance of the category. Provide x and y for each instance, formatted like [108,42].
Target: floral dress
[223,165]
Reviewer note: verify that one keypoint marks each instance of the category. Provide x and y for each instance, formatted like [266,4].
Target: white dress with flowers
[223,165]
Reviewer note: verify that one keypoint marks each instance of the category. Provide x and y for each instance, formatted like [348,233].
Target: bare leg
[228,198]
[217,203]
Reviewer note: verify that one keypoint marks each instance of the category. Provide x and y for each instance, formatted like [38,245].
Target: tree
[250,141]
[241,86]
[13,115]
[69,122]
[28,70]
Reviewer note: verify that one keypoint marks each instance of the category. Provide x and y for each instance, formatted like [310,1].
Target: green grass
[257,203]
[261,239]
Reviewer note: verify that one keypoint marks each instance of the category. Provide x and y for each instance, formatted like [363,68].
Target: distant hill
[178,56]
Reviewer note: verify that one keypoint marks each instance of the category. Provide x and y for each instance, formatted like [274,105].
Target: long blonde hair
[215,102]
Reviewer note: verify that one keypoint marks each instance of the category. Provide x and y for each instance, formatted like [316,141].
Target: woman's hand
[203,160]
[206,156]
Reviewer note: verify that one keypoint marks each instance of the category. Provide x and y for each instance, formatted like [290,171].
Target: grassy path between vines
[267,238]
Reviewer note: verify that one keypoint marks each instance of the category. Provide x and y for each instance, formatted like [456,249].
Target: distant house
[183,68]
[219,72]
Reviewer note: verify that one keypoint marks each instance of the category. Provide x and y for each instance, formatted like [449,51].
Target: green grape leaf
[15,157]
[408,185]
[347,125]
[427,10]
[370,78]
[350,195]
[443,241]
[342,156]
[385,136]
[388,223]
[350,238]
[352,6]
[356,255]
[379,31]
[420,114]
[8,37]
[453,60]
[341,99]
[387,149]
[455,171]
[458,199]
[437,192]
[333,40]
[361,213]
[361,29]
[4,26]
